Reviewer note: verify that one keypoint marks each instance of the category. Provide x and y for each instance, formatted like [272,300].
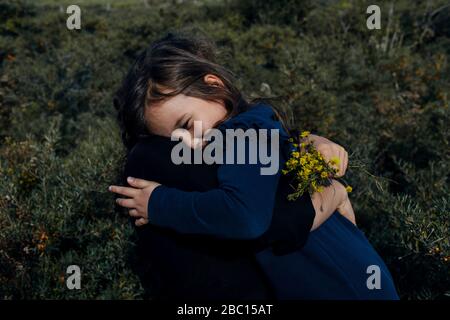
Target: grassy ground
[383,94]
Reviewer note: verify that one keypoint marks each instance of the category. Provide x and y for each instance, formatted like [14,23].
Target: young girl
[177,83]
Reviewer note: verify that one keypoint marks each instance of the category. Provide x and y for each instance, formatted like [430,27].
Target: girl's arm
[324,203]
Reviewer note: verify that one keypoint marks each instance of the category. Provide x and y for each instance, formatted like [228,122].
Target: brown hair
[178,61]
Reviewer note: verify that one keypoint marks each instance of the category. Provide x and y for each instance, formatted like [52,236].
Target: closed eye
[186,124]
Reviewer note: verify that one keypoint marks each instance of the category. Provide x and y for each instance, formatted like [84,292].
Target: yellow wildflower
[334,161]
[310,170]
[304,134]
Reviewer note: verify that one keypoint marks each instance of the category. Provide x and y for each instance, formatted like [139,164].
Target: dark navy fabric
[333,265]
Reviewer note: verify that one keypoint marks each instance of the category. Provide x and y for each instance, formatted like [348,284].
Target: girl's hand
[332,198]
[138,199]
[330,150]
[346,209]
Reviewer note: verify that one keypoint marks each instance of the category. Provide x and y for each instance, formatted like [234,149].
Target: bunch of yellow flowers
[310,171]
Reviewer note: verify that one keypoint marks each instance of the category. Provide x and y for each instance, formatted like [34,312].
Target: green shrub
[383,94]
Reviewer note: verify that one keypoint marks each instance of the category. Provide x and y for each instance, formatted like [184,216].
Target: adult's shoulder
[149,156]
[150,159]
[150,147]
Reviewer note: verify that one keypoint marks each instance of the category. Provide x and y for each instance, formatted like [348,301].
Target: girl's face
[180,112]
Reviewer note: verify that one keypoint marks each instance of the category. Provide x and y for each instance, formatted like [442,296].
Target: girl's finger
[346,161]
[140,222]
[346,210]
[134,213]
[127,203]
[138,183]
[338,166]
[125,191]
[342,168]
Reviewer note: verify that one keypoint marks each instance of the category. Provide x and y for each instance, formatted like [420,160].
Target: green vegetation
[383,94]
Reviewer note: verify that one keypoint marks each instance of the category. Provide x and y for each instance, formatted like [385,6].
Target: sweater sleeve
[239,208]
